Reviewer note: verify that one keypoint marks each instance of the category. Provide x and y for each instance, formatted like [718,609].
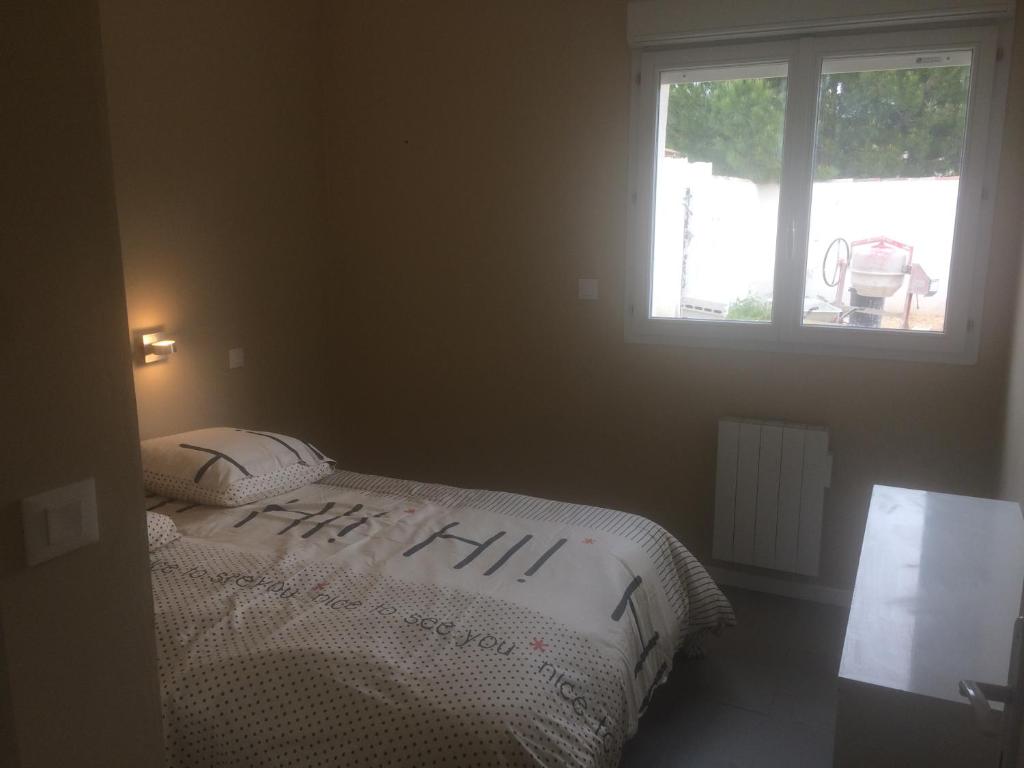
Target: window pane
[716,208]
[888,150]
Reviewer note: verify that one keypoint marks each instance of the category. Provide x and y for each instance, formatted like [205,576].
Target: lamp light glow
[155,347]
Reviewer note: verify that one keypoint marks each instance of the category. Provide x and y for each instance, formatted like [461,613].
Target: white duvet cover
[363,621]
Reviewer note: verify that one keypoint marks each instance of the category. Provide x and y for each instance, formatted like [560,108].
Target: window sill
[897,346]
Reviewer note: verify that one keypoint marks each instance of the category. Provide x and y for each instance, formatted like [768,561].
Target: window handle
[1008,723]
[979,695]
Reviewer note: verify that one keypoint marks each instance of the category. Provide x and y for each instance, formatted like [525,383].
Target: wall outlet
[588,289]
[236,357]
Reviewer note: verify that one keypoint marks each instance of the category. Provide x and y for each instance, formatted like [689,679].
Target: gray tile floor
[764,696]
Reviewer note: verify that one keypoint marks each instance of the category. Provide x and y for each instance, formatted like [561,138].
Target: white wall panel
[769,494]
[725,489]
[768,476]
[746,493]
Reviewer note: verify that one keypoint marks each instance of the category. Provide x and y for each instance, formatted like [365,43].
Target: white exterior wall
[733,223]
[918,212]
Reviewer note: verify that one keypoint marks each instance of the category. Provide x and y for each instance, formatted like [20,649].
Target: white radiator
[769,494]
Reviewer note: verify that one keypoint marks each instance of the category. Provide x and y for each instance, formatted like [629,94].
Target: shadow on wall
[221,215]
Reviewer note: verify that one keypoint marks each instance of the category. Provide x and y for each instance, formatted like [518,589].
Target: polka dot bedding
[363,621]
[160,530]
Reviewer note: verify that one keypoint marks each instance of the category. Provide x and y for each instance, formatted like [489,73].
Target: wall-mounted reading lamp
[157,347]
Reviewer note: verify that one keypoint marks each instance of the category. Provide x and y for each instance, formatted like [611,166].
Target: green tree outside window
[892,124]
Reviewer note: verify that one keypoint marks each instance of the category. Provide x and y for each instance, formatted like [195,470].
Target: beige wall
[77,631]
[478,161]
[216,128]
[1011,479]
[8,728]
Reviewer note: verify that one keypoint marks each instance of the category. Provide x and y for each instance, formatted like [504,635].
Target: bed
[364,621]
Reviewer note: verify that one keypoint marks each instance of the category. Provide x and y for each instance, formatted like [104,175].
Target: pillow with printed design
[161,530]
[228,467]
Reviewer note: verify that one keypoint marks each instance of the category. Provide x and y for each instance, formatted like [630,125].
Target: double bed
[365,621]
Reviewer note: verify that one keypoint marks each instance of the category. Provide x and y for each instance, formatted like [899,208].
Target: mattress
[364,621]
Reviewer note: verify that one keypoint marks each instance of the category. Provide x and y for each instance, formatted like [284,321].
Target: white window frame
[958,342]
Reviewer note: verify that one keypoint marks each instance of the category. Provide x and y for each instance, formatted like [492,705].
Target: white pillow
[161,529]
[229,467]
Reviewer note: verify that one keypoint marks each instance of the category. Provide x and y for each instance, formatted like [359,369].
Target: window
[822,195]
[716,212]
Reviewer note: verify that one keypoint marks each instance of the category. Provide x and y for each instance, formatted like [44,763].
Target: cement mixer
[877,267]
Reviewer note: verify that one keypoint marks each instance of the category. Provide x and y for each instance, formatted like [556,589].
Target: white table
[938,589]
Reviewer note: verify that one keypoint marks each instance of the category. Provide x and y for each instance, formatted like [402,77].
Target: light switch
[236,357]
[59,521]
[64,524]
[588,289]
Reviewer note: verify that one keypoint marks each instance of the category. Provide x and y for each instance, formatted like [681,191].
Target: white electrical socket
[236,357]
